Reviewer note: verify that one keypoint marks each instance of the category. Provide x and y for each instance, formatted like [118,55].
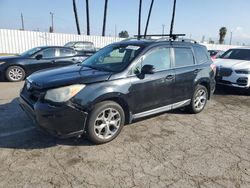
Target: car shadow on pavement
[17,131]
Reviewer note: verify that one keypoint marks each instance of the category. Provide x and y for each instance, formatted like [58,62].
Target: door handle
[196,71]
[170,77]
[53,61]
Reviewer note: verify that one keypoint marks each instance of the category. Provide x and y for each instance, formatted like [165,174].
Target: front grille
[224,71]
[31,93]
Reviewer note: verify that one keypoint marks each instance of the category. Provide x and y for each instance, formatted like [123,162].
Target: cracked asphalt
[174,149]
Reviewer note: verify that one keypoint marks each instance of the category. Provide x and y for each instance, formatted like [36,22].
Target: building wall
[16,41]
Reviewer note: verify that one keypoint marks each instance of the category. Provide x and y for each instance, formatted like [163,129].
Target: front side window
[48,53]
[113,58]
[183,57]
[240,54]
[159,58]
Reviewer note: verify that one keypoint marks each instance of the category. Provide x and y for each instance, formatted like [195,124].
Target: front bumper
[233,79]
[236,81]
[62,121]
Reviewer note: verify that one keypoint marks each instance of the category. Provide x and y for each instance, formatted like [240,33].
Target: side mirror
[147,69]
[39,56]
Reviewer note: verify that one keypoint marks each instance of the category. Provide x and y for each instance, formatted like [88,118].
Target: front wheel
[105,122]
[199,100]
[15,74]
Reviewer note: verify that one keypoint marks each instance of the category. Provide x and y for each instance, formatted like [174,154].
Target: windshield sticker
[130,47]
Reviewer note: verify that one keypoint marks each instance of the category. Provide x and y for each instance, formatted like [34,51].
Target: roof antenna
[172,23]
[139,21]
[149,14]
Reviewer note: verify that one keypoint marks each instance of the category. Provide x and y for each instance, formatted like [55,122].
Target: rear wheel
[105,122]
[15,74]
[199,100]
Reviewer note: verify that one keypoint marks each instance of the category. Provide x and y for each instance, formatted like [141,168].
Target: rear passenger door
[66,56]
[185,73]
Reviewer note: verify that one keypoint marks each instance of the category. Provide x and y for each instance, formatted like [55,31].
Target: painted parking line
[16,132]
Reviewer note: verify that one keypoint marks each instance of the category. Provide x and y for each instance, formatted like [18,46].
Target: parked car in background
[118,84]
[87,48]
[233,68]
[17,68]
[214,54]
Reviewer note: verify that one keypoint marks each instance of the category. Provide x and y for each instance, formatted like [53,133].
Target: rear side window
[200,53]
[183,57]
[64,52]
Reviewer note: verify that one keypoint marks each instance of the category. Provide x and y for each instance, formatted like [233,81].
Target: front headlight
[2,62]
[63,94]
[243,71]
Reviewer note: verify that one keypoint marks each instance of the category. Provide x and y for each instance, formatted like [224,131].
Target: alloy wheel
[15,74]
[107,123]
[200,99]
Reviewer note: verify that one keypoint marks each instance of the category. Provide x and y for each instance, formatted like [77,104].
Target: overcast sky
[195,18]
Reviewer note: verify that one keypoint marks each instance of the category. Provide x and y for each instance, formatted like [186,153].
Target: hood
[68,75]
[8,58]
[232,63]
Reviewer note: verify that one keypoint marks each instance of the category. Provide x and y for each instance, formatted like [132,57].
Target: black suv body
[120,83]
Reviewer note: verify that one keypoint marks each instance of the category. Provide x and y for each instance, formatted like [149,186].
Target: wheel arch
[205,83]
[119,99]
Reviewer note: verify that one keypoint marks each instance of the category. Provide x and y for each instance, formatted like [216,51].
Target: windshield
[240,54]
[69,44]
[114,58]
[31,51]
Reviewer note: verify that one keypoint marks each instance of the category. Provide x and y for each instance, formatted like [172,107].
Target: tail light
[213,67]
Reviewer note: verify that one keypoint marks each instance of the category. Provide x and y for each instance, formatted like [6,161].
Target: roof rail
[178,39]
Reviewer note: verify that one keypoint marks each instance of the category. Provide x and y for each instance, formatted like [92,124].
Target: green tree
[222,33]
[123,34]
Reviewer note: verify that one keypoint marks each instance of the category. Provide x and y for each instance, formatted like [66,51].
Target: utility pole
[115,30]
[52,22]
[231,37]
[163,29]
[172,22]
[22,21]
[139,20]
[149,14]
[104,18]
[87,16]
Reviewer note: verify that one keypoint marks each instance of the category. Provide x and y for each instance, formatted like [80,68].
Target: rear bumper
[61,121]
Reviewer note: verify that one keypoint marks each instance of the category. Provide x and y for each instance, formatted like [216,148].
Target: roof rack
[171,36]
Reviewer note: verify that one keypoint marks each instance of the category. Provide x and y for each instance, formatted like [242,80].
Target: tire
[199,100]
[15,74]
[248,91]
[105,122]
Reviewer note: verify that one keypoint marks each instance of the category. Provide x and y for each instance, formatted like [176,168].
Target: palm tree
[223,32]
[87,16]
[149,14]
[139,20]
[104,17]
[76,17]
[172,21]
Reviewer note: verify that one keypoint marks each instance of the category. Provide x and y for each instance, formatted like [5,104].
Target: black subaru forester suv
[122,82]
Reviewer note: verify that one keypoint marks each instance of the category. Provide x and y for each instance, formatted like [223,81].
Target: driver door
[46,61]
